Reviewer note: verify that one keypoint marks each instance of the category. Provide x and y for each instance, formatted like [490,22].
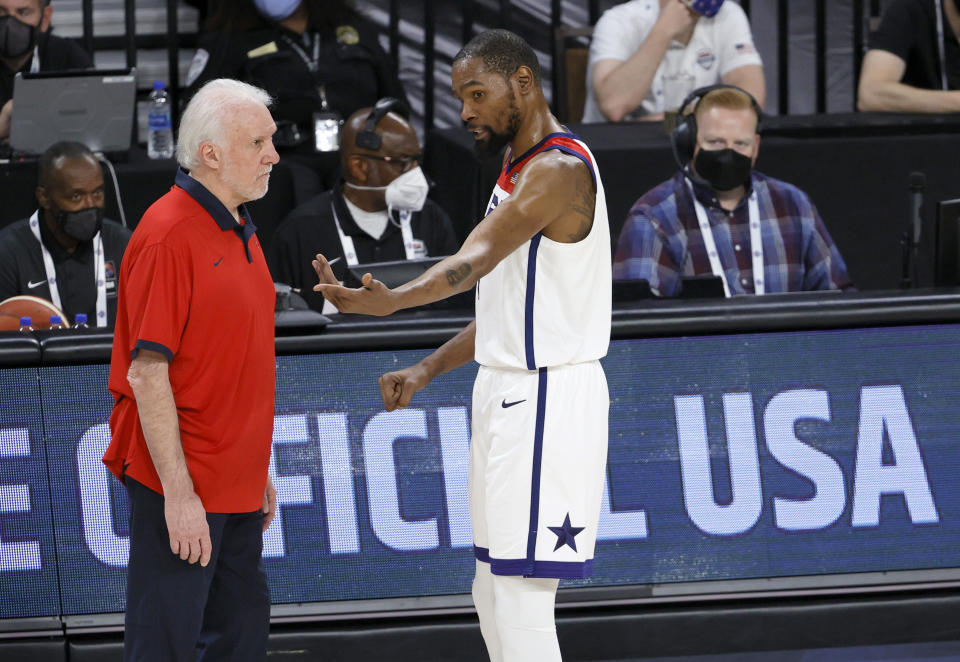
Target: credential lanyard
[756,242]
[99,271]
[940,46]
[350,251]
[313,63]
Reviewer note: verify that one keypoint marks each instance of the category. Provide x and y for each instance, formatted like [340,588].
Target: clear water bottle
[56,323]
[160,128]
[80,321]
[26,325]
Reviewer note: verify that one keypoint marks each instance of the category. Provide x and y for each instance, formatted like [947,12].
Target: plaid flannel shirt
[661,240]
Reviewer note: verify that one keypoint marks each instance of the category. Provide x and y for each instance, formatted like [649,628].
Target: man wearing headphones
[377,213]
[719,216]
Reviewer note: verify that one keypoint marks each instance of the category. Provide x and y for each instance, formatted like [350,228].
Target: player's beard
[498,140]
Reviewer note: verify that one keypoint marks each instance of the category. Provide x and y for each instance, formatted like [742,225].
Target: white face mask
[407,192]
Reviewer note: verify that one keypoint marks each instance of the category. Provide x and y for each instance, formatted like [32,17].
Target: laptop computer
[398,272]
[706,286]
[95,108]
[391,274]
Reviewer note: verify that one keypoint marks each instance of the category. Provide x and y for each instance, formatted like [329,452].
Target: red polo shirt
[195,287]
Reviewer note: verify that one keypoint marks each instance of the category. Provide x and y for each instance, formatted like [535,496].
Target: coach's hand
[398,387]
[187,525]
[269,504]
[373,298]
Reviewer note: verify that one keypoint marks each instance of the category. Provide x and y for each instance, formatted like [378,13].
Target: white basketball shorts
[538,454]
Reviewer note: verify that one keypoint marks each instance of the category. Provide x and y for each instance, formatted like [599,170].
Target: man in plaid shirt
[720,216]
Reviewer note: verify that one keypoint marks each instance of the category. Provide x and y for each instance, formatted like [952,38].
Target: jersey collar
[212,204]
[514,162]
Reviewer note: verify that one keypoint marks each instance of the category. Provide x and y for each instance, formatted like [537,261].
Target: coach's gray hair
[202,120]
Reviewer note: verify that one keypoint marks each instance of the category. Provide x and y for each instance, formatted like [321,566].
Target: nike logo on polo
[32,285]
[507,405]
[217,263]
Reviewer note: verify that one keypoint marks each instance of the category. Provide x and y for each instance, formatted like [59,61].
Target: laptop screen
[95,108]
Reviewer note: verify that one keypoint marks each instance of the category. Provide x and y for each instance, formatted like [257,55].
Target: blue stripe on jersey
[537,461]
[528,307]
[553,569]
[582,157]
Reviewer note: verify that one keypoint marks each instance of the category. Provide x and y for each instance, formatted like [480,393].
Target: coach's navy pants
[182,612]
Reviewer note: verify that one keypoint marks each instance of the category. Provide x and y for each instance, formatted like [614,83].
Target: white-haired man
[192,375]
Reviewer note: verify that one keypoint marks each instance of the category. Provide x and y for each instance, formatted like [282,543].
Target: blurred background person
[66,252]
[646,56]
[312,56]
[913,65]
[27,45]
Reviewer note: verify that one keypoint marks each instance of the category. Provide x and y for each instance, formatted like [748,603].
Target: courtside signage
[731,457]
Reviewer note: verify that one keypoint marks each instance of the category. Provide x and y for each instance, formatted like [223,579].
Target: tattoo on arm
[584,202]
[458,275]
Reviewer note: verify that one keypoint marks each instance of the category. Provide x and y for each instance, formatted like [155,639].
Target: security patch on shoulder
[260,51]
[347,34]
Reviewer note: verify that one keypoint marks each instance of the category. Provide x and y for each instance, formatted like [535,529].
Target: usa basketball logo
[706,58]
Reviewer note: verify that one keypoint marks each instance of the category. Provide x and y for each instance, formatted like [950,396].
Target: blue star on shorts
[566,534]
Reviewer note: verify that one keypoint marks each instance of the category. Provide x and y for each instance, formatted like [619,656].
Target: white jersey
[547,303]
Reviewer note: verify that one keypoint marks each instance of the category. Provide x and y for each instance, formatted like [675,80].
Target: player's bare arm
[554,195]
[398,387]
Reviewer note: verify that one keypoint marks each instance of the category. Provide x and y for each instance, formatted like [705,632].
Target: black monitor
[947,266]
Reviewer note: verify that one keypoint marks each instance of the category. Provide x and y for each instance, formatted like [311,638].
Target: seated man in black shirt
[66,252]
[312,56]
[378,213]
[913,65]
[26,45]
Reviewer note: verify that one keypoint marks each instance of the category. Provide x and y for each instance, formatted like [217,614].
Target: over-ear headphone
[367,137]
[684,135]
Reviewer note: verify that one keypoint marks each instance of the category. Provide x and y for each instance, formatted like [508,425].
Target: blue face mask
[708,8]
[276,10]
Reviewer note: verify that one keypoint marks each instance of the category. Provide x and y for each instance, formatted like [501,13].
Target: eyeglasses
[408,161]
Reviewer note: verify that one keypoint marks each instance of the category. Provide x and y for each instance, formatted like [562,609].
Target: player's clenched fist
[398,387]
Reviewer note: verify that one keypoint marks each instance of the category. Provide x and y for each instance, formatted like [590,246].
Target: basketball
[37,309]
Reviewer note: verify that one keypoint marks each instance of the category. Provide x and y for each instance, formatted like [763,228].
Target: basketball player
[541,262]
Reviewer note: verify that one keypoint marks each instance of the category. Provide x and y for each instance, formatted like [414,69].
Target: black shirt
[908,29]
[22,271]
[352,68]
[56,54]
[310,229]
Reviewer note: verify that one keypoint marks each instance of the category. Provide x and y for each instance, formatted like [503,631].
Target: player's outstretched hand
[373,298]
[398,387]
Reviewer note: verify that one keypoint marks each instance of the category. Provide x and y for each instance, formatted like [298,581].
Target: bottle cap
[26,321]
[81,318]
[55,319]
[159,85]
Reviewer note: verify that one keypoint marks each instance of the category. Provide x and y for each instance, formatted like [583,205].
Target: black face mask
[82,225]
[16,38]
[724,169]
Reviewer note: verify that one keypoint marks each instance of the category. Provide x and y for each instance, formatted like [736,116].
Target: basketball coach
[192,375]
